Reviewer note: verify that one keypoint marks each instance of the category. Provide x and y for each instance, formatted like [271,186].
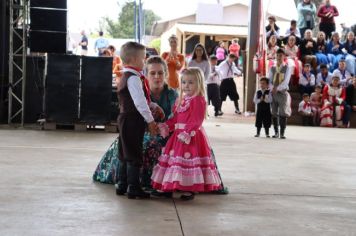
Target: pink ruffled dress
[186,162]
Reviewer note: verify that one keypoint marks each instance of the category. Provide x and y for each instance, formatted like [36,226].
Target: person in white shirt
[228,70]
[324,76]
[306,80]
[213,86]
[135,113]
[342,73]
[305,110]
[279,76]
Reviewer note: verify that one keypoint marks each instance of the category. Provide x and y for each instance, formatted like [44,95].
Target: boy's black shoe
[187,197]
[162,194]
[238,112]
[134,192]
[218,113]
[121,189]
[276,135]
[257,135]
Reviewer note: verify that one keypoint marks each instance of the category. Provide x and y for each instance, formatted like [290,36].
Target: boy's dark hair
[293,22]
[319,86]
[264,79]
[130,50]
[101,33]
[323,66]
[281,50]
[307,65]
[213,57]
[305,95]
[232,56]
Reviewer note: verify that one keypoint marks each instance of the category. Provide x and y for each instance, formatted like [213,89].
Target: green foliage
[123,27]
[156,43]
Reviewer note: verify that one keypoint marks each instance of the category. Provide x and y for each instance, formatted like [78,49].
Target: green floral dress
[106,171]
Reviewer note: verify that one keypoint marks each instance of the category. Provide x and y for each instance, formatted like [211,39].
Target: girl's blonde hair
[198,75]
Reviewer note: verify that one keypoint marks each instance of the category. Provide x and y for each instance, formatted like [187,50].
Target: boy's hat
[307,65]
[213,57]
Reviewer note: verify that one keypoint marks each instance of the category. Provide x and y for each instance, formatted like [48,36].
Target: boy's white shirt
[134,85]
[304,81]
[301,108]
[319,78]
[223,69]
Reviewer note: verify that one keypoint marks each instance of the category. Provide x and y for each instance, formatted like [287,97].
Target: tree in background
[123,27]
[156,43]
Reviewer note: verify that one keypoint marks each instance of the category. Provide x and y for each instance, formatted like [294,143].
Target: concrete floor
[305,185]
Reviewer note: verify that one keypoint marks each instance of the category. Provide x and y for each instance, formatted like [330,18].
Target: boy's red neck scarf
[146,87]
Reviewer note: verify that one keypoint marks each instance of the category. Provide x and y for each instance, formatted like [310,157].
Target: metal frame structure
[17,58]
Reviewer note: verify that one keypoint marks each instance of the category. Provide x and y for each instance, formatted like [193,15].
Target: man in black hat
[279,76]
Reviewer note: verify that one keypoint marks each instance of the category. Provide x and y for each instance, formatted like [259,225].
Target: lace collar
[185,104]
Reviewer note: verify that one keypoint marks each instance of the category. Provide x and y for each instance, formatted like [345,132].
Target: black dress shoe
[218,113]
[134,192]
[121,189]
[187,196]
[162,194]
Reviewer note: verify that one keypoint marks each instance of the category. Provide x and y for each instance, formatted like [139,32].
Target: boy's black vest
[126,103]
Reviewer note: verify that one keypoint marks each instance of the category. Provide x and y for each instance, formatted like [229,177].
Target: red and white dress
[186,162]
[333,98]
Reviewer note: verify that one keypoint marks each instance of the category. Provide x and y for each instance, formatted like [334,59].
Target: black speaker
[51,42]
[60,4]
[48,19]
[62,88]
[4,59]
[96,86]
[35,67]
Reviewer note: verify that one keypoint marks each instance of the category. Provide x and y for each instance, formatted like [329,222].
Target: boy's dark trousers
[214,96]
[263,117]
[307,120]
[132,129]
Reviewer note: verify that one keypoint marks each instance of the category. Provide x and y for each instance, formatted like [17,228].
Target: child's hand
[158,113]
[163,130]
[153,128]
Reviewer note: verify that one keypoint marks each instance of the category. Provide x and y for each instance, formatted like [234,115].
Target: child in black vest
[263,99]
[135,112]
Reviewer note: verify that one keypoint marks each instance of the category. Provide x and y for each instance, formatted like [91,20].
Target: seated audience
[334,112]
[305,110]
[292,51]
[306,80]
[292,31]
[315,101]
[350,47]
[324,76]
[308,50]
[342,73]
[321,56]
[351,95]
[334,51]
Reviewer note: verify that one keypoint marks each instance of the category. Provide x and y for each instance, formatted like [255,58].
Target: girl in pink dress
[186,163]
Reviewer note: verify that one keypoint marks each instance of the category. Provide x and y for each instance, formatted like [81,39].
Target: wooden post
[252,44]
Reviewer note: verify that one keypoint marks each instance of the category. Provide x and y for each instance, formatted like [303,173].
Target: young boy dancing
[134,100]
[263,99]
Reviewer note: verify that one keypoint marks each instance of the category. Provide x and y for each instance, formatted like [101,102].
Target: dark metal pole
[252,44]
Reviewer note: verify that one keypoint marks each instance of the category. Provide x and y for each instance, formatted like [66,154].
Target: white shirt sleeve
[134,85]
[235,69]
[301,106]
[255,99]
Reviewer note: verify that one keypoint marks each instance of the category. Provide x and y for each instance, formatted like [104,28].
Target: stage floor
[305,185]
